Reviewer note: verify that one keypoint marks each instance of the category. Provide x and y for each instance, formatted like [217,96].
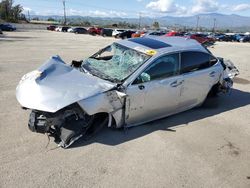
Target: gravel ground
[203,147]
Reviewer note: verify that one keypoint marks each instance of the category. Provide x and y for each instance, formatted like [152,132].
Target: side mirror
[145,77]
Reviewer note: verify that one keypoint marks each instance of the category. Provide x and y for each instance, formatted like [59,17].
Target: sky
[132,8]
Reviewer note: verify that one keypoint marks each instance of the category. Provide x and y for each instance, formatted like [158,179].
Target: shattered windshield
[115,62]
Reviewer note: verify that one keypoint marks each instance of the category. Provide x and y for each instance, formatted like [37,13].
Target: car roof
[163,44]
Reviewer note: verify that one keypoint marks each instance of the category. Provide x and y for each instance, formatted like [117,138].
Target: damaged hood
[56,85]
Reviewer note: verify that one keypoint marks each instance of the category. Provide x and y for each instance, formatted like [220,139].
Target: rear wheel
[212,94]
[214,91]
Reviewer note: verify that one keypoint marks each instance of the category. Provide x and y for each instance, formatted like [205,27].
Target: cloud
[166,6]
[162,5]
[98,13]
[73,12]
[110,13]
[27,9]
[241,7]
[205,6]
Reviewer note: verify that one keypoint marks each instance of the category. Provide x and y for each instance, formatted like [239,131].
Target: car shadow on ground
[213,106]
[8,38]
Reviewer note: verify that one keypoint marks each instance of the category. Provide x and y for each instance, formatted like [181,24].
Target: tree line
[10,12]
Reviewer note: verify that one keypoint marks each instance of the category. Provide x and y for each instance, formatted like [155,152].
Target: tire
[214,91]
[212,94]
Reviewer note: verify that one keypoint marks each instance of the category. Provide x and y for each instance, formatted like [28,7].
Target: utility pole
[29,15]
[214,25]
[65,20]
[197,24]
[140,20]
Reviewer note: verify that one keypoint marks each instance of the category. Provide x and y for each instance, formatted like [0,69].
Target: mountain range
[221,21]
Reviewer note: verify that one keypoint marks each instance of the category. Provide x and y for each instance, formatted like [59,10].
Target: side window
[163,67]
[193,61]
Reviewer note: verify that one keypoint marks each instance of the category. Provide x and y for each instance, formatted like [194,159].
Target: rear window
[193,61]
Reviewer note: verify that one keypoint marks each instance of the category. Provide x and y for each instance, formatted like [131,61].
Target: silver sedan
[128,83]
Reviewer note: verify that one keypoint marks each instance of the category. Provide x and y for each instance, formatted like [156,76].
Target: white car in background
[116,32]
[58,29]
[71,30]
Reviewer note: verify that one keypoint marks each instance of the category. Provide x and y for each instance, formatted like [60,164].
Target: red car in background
[95,30]
[201,38]
[138,34]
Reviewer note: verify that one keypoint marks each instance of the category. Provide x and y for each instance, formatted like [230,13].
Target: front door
[155,93]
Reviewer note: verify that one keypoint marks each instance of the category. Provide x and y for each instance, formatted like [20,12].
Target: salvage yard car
[7,27]
[128,83]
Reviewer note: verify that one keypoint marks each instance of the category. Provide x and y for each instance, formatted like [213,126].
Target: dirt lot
[204,147]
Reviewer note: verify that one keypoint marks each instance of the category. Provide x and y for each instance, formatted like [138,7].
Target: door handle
[212,74]
[176,83]
[141,87]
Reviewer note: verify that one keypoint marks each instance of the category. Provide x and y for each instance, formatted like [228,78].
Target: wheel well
[100,121]
[214,90]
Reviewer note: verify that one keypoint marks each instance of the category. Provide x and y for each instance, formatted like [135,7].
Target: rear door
[200,72]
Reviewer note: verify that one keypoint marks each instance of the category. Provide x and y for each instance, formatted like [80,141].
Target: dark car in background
[1,31]
[65,29]
[7,27]
[156,33]
[51,28]
[106,32]
[228,38]
[245,39]
[126,34]
[238,37]
[80,30]
[217,36]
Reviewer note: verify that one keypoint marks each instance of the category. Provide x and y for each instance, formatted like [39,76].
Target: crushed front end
[65,126]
